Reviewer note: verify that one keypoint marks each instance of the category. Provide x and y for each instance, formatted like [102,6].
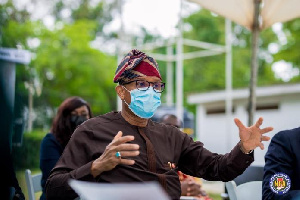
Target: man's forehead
[148,78]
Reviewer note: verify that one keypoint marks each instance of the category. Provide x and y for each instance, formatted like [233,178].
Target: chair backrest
[33,183]
[247,191]
[250,191]
[252,173]
[231,190]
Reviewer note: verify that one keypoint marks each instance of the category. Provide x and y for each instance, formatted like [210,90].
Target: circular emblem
[280,183]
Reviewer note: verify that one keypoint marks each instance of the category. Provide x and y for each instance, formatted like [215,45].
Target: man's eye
[142,84]
[156,85]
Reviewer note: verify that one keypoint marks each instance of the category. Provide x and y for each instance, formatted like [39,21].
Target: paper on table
[118,191]
[187,198]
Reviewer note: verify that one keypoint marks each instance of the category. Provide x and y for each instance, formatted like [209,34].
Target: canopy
[279,11]
[242,11]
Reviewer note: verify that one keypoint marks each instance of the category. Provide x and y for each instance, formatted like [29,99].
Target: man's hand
[108,160]
[189,187]
[252,137]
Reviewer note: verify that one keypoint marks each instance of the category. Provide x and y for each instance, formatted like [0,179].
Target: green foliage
[15,30]
[98,11]
[14,25]
[208,73]
[28,155]
[205,27]
[291,30]
[63,61]
[68,66]
[289,51]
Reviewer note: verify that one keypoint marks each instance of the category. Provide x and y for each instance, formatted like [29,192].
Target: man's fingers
[238,123]
[266,130]
[127,147]
[122,140]
[265,138]
[129,153]
[119,134]
[127,162]
[259,122]
[261,145]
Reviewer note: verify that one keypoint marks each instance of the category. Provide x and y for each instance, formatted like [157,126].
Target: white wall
[211,129]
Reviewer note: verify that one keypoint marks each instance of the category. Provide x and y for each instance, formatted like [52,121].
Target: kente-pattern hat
[136,64]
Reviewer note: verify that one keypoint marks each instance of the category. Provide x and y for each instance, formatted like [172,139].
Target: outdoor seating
[33,183]
[247,191]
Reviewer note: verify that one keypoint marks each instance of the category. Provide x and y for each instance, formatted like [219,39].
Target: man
[128,147]
[189,185]
[172,120]
[282,168]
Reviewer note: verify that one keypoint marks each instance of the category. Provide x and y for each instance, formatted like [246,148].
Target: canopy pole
[254,63]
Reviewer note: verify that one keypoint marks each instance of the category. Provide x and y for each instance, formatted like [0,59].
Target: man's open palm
[252,137]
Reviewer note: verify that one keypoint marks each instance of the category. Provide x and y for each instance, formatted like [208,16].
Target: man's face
[132,86]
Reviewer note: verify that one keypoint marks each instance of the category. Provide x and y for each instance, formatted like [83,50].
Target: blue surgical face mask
[144,103]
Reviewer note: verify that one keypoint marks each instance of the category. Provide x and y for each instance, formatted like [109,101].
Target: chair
[252,173]
[246,191]
[33,183]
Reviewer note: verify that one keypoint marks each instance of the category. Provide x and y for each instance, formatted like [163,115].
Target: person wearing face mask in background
[71,113]
[127,146]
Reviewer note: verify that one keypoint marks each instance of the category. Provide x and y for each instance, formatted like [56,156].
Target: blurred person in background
[190,186]
[71,113]
[127,146]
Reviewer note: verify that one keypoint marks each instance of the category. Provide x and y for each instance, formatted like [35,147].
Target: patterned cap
[136,64]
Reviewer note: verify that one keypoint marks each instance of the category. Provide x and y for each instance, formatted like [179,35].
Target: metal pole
[254,63]
[228,68]
[170,73]
[179,70]
[120,47]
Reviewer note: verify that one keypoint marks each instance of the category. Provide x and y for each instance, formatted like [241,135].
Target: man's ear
[120,91]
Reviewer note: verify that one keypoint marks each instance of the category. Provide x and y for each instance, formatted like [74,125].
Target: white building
[279,106]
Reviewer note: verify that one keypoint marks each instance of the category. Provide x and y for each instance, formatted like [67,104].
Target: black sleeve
[75,163]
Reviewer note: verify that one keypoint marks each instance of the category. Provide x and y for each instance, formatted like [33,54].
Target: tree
[208,73]
[68,66]
[289,50]
[63,60]
[15,30]
[99,11]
